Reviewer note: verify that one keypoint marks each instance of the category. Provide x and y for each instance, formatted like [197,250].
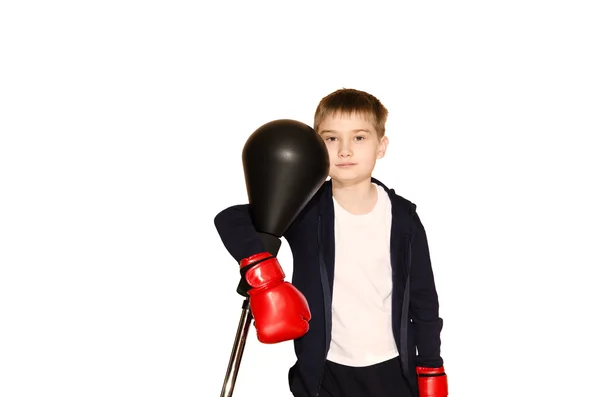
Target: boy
[361,265]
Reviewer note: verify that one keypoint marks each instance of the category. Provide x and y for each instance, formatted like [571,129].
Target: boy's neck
[357,197]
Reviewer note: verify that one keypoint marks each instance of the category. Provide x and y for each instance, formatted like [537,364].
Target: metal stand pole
[237,351]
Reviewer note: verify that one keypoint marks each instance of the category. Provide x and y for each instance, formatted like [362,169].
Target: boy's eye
[360,137]
[330,138]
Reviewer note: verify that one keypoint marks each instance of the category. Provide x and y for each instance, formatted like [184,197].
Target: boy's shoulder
[403,210]
[400,203]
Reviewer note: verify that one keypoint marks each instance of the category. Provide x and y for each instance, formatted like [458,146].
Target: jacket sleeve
[424,304]
[240,238]
[238,234]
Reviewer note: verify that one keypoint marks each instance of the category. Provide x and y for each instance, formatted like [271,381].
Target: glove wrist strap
[264,273]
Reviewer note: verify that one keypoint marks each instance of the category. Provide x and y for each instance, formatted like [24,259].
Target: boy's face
[353,147]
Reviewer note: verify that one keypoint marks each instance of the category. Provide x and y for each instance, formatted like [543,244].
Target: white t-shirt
[362,286]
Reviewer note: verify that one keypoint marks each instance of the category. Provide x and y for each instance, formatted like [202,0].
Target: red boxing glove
[433,382]
[280,311]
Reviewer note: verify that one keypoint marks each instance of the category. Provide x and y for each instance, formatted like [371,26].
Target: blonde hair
[349,101]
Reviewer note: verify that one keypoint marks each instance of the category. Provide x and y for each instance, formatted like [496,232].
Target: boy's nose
[344,150]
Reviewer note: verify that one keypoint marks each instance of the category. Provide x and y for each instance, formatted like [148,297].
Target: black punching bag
[285,163]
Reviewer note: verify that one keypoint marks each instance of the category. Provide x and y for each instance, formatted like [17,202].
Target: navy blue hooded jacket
[415,310]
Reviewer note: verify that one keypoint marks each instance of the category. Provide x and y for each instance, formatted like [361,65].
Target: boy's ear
[383,144]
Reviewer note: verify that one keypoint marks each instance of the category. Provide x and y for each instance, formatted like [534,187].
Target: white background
[122,125]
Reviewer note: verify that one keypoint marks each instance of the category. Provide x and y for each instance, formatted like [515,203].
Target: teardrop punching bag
[285,163]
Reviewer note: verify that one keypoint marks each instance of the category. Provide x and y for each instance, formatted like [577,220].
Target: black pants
[384,379]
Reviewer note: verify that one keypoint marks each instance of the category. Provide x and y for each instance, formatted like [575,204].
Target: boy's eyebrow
[354,131]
